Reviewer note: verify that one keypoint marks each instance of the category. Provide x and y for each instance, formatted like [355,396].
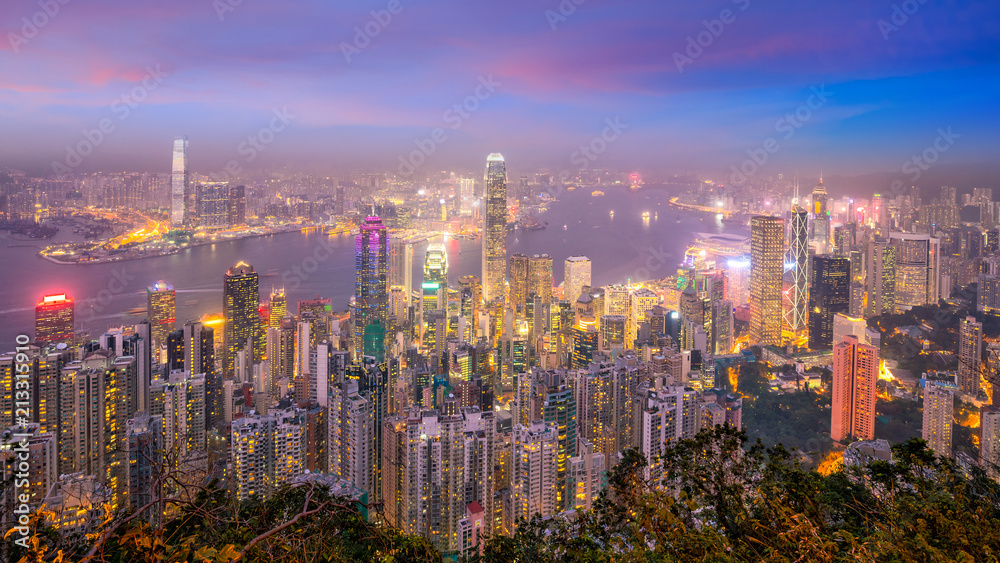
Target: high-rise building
[212,204]
[989,440]
[821,219]
[798,258]
[738,274]
[829,294]
[661,415]
[534,480]
[180,190]
[495,229]
[767,252]
[240,299]
[371,276]
[970,354]
[278,307]
[916,269]
[881,268]
[352,432]
[939,405]
[161,308]
[540,278]
[144,440]
[236,209]
[576,277]
[519,282]
[54,319]
[435,277]
[401,267]
[199,359]
[640,302]
[267,452]
[855,375]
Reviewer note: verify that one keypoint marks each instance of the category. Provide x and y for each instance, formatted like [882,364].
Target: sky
[850,87]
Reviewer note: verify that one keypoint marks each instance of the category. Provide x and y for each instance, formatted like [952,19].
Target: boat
[565,227]
[645,214]
[597,193]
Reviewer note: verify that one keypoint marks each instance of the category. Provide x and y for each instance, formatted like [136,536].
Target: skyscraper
[916,269]
[829,294]
[821,219]
[540,277]
[970,354]
[881,268]
[278,307]
[798,257]
[371,277]
[237,207]
[436,264]
[519,281]
[939,405]
[767,241]
[495,229]
[54,317]
[179,185]
[576,276]
[240,298]
[212,204]
[855,375]
[161,308]
[989,440]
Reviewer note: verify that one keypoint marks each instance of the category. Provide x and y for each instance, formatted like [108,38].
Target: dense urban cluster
[457,414]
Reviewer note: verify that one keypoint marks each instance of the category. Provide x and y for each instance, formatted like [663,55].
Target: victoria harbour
[611,230]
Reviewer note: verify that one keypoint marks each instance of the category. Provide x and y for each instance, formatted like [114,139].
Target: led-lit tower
[371,276]
[798,259]
[54,319]
[767,252]
[241,297]
[821,218]
[180,190]
[495,229]
[161,307]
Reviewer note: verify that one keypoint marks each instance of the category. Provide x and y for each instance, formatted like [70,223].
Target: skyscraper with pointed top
[495,229]
[821,218]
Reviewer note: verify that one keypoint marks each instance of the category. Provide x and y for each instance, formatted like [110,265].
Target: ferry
[645,214]
[597,193]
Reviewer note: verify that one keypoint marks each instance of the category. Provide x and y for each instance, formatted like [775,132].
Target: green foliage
[298,524]
[724,501]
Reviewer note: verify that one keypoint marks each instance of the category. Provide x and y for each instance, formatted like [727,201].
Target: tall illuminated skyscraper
[855,375]
[436,264]
[161,308]
[495,229]
[916,269]
[278,307]
[241,297]
[54,319]
[939,406]
[180,190]
[881,268]
[829,294]
[576,276]
[519,281]
[798,258]
[540,277]
[767,252]
[371,277]
[821,218]
[970,354]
